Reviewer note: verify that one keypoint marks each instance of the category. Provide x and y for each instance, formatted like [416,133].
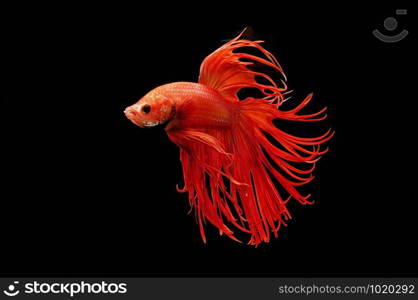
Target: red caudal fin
[227,70]
[241,177]
[231,176]
[290,166]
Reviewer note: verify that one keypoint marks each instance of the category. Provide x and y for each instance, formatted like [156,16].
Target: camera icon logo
[11,290]
[391,24]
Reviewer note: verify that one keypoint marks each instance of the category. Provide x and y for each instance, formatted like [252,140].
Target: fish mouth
[132,115]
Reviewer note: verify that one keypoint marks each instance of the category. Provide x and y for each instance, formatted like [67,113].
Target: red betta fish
[226,151]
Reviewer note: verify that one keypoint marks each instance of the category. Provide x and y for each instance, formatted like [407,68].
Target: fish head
[153,109]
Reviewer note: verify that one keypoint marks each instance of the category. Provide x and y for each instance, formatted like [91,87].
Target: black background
[87,193]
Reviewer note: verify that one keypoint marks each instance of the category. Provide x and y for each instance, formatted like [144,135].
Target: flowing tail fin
[233,182]
[291,165]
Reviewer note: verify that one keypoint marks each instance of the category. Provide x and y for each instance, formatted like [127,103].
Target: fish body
[228,158]
[195,106]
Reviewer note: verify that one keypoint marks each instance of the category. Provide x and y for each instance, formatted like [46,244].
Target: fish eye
[146,108]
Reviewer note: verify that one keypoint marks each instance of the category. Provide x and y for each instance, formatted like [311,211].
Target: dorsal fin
[226,71]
